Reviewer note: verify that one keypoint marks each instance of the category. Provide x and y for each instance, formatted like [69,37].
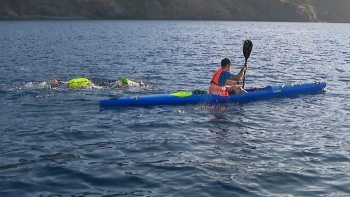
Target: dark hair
[224,62]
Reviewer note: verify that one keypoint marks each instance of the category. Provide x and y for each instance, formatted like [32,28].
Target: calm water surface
[58,142]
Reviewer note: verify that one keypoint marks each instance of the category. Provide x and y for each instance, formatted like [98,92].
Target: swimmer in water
[73,83]
[84,83]
[125,83]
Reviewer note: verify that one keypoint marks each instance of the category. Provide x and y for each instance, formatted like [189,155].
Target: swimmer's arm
[95,86]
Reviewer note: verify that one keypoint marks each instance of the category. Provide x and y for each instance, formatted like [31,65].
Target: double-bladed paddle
[247,49]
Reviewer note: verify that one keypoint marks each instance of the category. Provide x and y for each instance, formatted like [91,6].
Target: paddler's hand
[245,67]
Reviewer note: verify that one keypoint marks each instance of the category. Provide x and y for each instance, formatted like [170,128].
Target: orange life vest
[215,87]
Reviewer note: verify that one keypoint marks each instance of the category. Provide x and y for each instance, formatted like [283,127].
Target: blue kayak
[186,98]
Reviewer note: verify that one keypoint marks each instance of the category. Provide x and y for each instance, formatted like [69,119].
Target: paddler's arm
[231,83]
[239,75]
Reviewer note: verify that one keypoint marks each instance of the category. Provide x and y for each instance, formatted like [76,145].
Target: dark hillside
[240,10]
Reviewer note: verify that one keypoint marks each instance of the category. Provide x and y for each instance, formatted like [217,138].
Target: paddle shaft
[245,64]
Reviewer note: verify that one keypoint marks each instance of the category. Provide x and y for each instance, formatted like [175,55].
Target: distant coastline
[333,11]
[29,18]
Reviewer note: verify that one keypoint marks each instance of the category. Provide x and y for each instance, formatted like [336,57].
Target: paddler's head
[226,64]
[125,80]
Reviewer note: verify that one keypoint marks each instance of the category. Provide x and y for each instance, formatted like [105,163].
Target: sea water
[58,142]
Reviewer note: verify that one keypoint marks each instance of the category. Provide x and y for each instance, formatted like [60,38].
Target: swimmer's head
[125,80]
[53,83]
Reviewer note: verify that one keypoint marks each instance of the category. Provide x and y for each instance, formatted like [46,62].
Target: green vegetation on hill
[133,6]
[240,10]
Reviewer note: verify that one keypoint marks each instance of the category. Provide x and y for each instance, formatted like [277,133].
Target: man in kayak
[125,83]
[223,83]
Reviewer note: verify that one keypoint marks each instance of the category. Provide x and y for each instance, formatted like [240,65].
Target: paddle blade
[247,48]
